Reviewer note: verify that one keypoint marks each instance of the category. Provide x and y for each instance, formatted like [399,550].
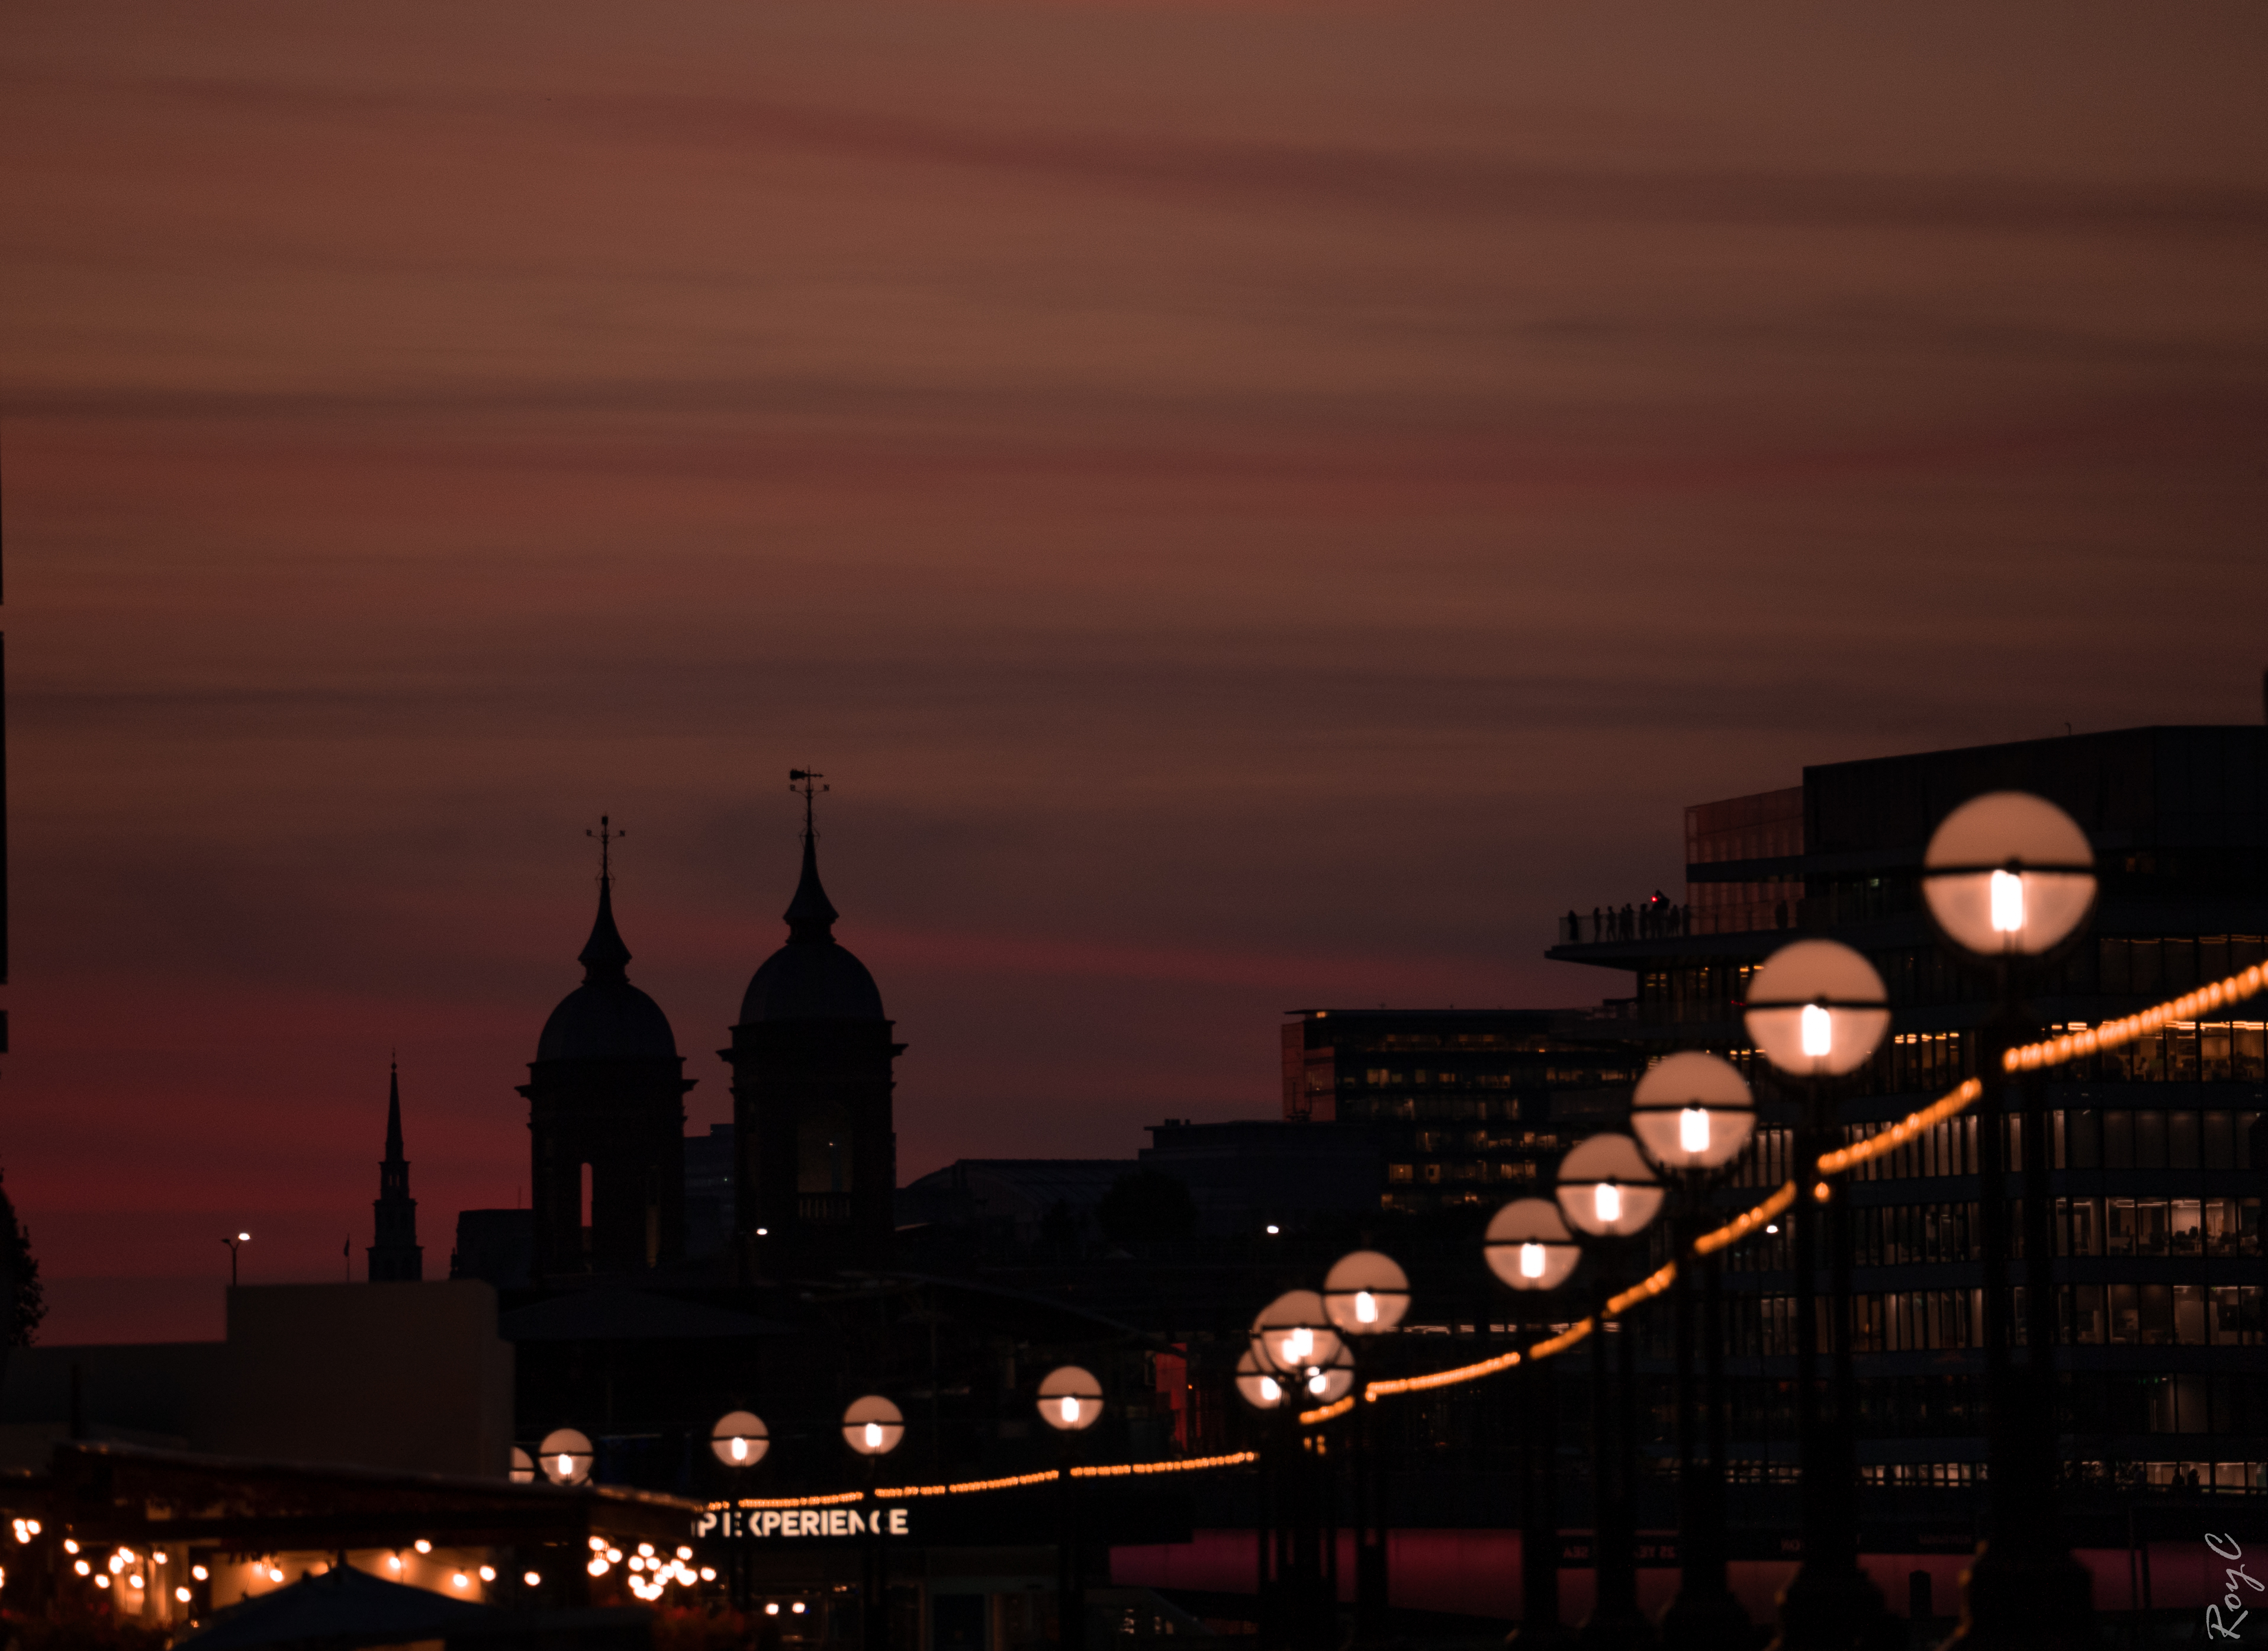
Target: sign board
[783,1524]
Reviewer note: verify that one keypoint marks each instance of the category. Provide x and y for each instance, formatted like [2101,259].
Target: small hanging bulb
[740,1450]
[1531,1261]
[1070,1410]
[1693,1130]
[1365,1308]
[1606,1200]
[873,1435]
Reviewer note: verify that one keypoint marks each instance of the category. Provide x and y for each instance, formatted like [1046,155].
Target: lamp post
[739,1440]
[1817,1010]
[1692,1113]
[873,1427]
[1366,1293]
[233,1244]
[1070,1402]
[1529,1247]
[1260,1386]
[2009,878]
[1607,1191]
[1293,1337]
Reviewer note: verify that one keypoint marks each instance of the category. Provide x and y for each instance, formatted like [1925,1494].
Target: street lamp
[1293,1333]
[1818,1010]
[1261,1388]
[1607,1190]
[1529,1247]
[872,1426]
[2008,874]
[1365,1293]
[565,1456]
[1692,1113]
[233,1244]
[2009,878]
[1070,1402]
[739,1439]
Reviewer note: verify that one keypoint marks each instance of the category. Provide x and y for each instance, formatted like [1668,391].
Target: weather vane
[806,781]
[607,840]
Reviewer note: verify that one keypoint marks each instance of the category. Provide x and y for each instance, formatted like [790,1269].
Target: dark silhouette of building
[395,1255]
[606,1118]
[497,1246]
[709,1202]
[810,1061]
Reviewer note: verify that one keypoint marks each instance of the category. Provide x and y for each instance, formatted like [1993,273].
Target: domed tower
[606,1117]
[810,1059]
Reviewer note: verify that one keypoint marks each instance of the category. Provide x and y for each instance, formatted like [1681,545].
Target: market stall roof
[125,1493]
[345,1608]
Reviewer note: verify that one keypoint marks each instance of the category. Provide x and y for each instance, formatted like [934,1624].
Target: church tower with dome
[811,1078]
[605,1116]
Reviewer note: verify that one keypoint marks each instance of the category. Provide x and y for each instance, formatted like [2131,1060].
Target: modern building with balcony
[2157,1154]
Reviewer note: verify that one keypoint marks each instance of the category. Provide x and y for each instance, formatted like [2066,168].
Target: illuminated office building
[1468,1106]
[2157,1150]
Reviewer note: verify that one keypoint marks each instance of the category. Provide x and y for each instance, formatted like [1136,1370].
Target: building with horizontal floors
[1468,1106]
[2158,1151]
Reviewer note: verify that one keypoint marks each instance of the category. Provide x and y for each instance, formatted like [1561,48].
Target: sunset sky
[1250,505]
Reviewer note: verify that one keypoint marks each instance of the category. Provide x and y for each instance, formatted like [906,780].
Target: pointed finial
[607,840]
[810,915]
[393,1111]
[806,781]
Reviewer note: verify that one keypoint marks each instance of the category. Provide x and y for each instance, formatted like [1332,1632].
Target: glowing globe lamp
[565,1456]
[739,1439]
[2008,874]
[1692,1112]
[872,1426]
[1528,1245]
[1365,1293]
[1817,1009]
[1071,1399]
[1607,1188]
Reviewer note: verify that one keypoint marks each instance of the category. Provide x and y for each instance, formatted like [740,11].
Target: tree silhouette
[21,1301]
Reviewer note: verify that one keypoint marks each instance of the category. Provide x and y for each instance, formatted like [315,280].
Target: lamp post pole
[1693,1114]
[1704,1616]
[1539,1507]
[2009,880]
[1818,1011]
[1616,1621]
[2024,1586]
[1530,1248]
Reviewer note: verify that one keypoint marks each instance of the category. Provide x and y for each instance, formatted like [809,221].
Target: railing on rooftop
[1665,920]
